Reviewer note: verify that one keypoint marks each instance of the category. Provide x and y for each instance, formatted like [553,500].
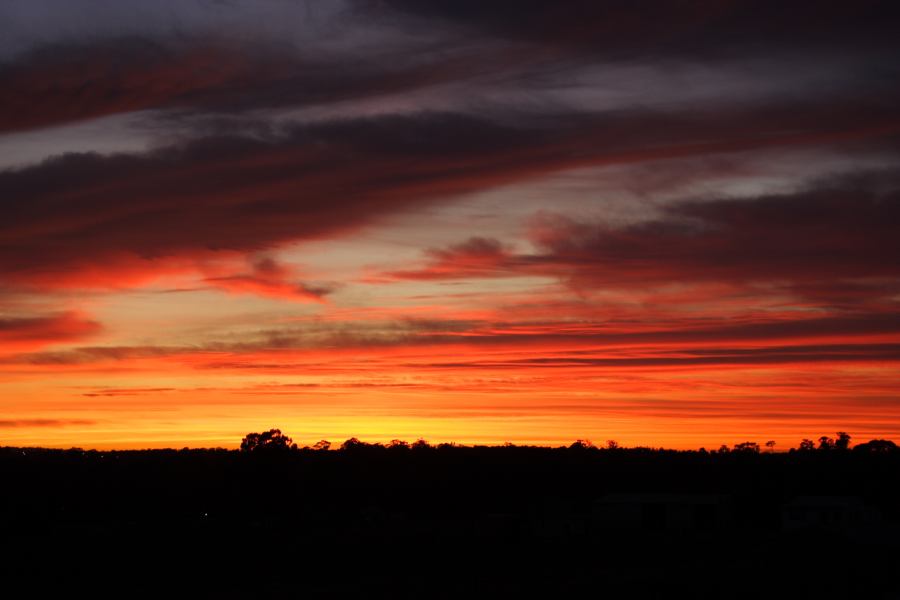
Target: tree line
[274,440]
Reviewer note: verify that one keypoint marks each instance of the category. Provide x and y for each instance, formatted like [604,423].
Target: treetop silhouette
[267,441]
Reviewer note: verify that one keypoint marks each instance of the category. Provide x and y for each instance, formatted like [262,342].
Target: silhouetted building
[663,512]
[828,512]
[558,520]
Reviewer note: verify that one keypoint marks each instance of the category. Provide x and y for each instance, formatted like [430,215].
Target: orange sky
[409,221]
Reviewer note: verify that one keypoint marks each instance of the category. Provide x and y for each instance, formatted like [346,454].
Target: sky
[666,223]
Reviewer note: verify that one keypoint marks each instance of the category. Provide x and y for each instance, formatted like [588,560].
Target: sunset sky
[665,223]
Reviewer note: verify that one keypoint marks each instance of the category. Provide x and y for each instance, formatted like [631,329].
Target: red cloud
[31,333]
[865,337]
[269,278]
[476,257]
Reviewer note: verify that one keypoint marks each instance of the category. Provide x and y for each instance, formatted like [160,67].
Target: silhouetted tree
[321,446]
[420,444]
[807,445]
[612,445]
[724,449]
[751,447]
[581,445]
[267,441]
[771,445]
[398,445]
[843,441]
[826,443]
[353,444]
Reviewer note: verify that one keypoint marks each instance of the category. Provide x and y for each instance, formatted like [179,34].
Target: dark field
[452,522]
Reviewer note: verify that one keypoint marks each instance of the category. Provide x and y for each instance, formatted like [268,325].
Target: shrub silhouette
[878,446]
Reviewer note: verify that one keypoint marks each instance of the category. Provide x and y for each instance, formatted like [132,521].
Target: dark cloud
[839,229]
[179,68]
[239,194]
[240,182]
[834,241]
[139,212]
[62,83]
[667,28]
[57,84]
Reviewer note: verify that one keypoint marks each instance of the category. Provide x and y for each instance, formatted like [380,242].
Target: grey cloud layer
[225,177]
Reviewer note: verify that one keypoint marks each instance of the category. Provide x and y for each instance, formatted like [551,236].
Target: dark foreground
[452,522]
